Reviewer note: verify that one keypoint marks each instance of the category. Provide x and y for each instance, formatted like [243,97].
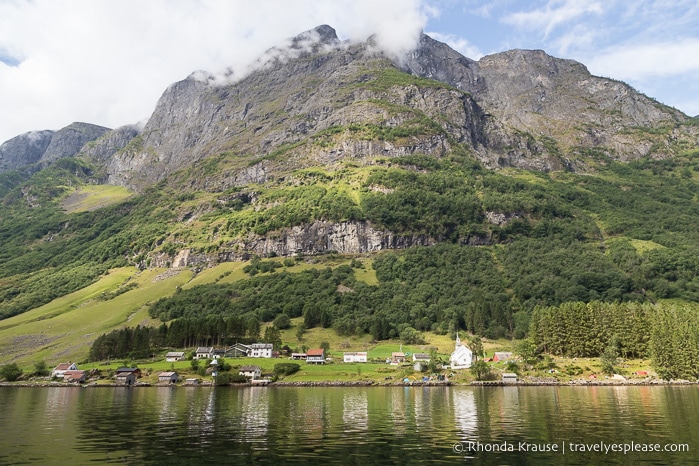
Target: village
[208,362]
[260,364]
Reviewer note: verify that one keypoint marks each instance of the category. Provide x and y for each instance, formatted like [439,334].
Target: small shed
[192,382]
[397,357]
[126,379]
[131,370]
[204,352]
[251,372]
[501,356]
[168,377]
[298,356]
[509,377]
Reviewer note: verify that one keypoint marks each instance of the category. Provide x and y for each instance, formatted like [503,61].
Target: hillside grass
[65,328]
[92,197]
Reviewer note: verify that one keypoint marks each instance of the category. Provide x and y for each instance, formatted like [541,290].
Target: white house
[261,350]
[421,361]
[251,372]
[355,357]
[204,352]
[462,357]
[60,370]
[174,356]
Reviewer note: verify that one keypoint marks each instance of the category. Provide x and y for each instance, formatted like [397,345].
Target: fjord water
[347,425]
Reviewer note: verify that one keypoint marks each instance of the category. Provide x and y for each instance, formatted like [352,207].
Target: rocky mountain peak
[25,149]
[319,35]
[47,146]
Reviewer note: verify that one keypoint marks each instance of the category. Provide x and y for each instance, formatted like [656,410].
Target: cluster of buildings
[460,358]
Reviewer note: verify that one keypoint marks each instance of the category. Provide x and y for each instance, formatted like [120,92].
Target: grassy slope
[65,328]
[91,197]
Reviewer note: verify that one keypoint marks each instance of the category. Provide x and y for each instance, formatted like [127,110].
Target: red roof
[74,375]
[63,366]
[315,352]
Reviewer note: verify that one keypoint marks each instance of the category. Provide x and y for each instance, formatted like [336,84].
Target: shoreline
[371,383]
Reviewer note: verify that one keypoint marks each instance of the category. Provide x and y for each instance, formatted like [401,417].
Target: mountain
[464,194]
[44,147]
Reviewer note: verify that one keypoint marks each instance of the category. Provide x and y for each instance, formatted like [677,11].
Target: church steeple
[458,340]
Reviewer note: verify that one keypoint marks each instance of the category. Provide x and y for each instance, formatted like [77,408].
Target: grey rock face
[110,142]
[45,147]
[532,96]
[521,108]
[68,141]
[314,238]
[23,150]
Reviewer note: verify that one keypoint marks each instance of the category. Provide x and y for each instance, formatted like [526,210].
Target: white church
[462,357]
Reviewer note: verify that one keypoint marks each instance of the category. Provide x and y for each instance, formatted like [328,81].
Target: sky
[108,61]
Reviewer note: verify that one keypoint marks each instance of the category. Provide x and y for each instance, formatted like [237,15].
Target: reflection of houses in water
[165,399]
[399,407]
[254,411]
[355,410]
[621,395]
[465,412]
[510,401]
[58,403]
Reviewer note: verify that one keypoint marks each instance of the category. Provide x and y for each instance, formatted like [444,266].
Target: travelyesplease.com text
[567,447]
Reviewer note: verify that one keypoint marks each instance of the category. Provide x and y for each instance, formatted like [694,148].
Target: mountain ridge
[522,101]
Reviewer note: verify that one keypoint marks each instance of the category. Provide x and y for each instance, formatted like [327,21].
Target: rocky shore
[534,382]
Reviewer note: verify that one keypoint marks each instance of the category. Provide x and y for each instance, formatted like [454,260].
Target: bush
[11,372]
[286,368]
[282,322]
[480,370]
[573,370]
[41,369]
[226,378]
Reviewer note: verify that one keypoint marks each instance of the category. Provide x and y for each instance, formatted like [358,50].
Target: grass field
[91,197]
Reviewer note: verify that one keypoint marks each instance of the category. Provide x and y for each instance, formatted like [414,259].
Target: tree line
[667,333]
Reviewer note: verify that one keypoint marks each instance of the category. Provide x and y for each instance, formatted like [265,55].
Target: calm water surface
[348,425]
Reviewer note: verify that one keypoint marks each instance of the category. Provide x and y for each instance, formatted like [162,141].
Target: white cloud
[554,14]
[645,61]
[461,45]
[107,62]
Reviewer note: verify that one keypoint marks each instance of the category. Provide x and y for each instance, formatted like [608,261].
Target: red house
[315,356]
